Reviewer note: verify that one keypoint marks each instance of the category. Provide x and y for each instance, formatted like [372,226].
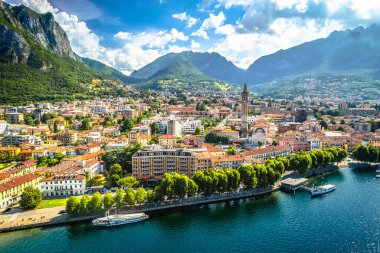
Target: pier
[293,184]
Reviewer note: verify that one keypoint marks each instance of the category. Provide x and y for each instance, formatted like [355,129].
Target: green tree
[95,204]
[119,197]
[231,151]
[128,182]
[141,195]
[108,201]
[247,176]
[192,188]
[150,196]
[274,143]
[55,127]
[130,197]
[28,120]
[127,125]
[83,204]
[300,162]
[30,198]
[73,205]
[198,131]
[260,144]
[233,177]
[154,128]
[324,124]
[85,125]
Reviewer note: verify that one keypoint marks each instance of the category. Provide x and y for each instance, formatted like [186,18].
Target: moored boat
[117,220]
[320,190]
[378,176]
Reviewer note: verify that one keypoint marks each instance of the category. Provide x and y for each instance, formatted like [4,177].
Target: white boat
[378,176]
[378,171]
[320,190]
[117,220]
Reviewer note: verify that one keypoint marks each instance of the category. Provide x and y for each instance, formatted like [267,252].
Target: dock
[292,184]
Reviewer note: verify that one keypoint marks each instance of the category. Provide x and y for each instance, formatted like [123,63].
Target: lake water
[346,220]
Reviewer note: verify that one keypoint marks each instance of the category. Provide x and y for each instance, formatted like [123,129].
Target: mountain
[212,65]
[99,66]
[341,51]
[38,64]
[181,74]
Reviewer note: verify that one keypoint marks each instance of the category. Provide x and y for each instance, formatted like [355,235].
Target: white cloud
[244,48]
[194,45]
[212,22]
[190,21]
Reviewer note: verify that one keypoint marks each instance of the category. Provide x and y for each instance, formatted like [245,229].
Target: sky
[128,34]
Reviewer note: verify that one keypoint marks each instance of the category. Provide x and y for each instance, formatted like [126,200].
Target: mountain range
[37,63]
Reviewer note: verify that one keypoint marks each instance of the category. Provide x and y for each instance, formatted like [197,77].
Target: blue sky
[128,34]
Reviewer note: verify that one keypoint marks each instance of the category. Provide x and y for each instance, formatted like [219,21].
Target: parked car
[62,212]
[8,210]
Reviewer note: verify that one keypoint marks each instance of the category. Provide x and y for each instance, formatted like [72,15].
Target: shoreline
[152,208]
[149,208]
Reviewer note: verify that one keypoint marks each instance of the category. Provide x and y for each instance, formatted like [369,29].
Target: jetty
[293,184]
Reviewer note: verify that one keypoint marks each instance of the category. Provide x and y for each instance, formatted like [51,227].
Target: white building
[63,185]
[3,126]
[116,145]
[189,126]
[174,127]
[94,137]
[16,139]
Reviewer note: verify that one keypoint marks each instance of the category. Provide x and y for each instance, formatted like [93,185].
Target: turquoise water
[347,220]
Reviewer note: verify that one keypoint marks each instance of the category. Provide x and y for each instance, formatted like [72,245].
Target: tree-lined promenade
[176,186]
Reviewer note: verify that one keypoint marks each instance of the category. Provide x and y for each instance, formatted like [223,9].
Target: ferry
[320,190]
[117,220]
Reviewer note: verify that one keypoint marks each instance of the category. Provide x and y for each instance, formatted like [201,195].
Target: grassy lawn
[47,203]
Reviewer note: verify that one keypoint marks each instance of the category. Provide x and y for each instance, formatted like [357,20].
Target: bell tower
[244,112]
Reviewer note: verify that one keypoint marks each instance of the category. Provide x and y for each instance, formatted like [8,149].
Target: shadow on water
[333,177]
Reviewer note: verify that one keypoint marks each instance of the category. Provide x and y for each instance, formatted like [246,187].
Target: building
[116,145]
[15,118]
[362,126]
[268,153]
[63,185]
[9,153]
[363,112]
[174,127]
[15,139]
[189,126]
[3,126]
[167,141]
[12,188]
[155,163]
[233,161]
[342,108]
[244,112]
[67,137]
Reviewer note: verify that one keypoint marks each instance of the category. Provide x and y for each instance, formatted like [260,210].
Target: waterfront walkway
[50,216]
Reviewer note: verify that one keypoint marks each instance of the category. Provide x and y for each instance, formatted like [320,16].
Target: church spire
[245,89]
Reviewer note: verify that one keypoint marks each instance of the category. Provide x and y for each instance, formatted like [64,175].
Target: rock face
[19,25]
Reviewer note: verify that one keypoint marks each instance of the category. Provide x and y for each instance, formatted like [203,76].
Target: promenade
[50,216]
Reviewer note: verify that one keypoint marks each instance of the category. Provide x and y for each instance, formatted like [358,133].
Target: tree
[300,162]
[128,182]
[83,204]
[154,128]
[37,122]
[231,151]
[150,196]
[28,120]
[129,198]
[215,138]
[115,174]
[197,131]
[247,176]
[233,177]
[274,143]
[119,198]
[108,201]
[30,198]
[324,124]
[127,125]
[95,204]
[72,205]
[140,195]
[260,144]
[85,125]
[55,127]
[192,188]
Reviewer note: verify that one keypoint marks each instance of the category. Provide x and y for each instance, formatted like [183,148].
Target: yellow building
[9,153]
[167,141]
[11,189]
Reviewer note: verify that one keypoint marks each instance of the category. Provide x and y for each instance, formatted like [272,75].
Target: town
[71,148]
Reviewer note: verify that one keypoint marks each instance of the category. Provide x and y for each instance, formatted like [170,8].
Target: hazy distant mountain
[211,64]
[349,50]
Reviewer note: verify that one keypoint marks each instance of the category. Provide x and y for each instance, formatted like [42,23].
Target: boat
[320,190]
[378,176]
[378,171]
[119,219]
